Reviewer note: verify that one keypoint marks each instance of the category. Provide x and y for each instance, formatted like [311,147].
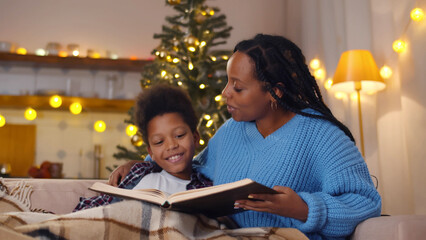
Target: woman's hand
[120,172]
[286,203]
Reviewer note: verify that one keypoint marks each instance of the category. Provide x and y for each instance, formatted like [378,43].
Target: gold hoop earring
[274,105]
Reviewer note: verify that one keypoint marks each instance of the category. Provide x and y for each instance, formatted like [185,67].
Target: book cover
[212,201]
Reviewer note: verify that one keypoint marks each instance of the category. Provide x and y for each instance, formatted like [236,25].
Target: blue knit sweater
[311,156]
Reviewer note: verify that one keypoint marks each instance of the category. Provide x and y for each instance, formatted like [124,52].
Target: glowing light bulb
[209,123]
[385,72]
[75,53]
[319,74]
[201,142]
[203,43]
[21,51]
[99,126]
[192,49]
[213,58]
[176,60]
[131,130]
[62,54]
[40,52]
[177,75]
[55,101]
[224,57]
[315,63]
[180,83]
[218,98]
[202,86]
[190,66]
[417,14]
[2,121]
[75,108]
[399,46]
[339,95]
[30,114]
[207,117]
[328,83]
[354,96]
[163,73]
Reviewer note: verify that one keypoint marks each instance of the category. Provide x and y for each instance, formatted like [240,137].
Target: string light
[203,43]
[319,74]
[209,123]
[207,117]
[202,86]
[99,126]
[190,66]
[315,63]
[75,108]
[399,46]
[224,57]
[328,83]
[385,72]
[21,51]
[30,114]
[201,142]
[417,14]
[176,60]
[2,121]
[55,101]
[213,58]
[339,95]
[180,83]
[131,130]
[354,96]
[163,73]
[40,52]
[218,98]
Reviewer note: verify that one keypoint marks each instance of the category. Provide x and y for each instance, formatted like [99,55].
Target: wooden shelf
[89,104]
[11,60]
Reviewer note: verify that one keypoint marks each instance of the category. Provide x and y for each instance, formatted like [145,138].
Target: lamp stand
[358,90]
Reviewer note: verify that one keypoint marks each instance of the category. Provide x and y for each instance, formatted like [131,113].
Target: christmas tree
[186,58]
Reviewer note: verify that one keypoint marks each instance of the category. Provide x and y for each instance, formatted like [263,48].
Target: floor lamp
[357,71]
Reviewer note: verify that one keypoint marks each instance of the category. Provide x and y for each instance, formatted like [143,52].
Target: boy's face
[172,144]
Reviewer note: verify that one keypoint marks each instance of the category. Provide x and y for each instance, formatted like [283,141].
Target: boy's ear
[196,135]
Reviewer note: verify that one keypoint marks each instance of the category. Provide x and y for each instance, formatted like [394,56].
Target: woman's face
[244,94]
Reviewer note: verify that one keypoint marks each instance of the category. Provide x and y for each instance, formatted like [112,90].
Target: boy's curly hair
[161,99]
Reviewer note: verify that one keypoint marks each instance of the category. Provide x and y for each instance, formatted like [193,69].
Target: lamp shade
[357,70]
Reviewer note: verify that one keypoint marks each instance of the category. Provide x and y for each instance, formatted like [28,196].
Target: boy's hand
[120,172]
[286,203]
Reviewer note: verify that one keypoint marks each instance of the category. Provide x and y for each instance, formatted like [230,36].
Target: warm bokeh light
[202,86]
[21,51]
[209,123]
[176,60]
[75,108]
[213,58]
[201,142]
[163,73]
[385,72]
[99,126]
[224,57]
[40,52]
[207,117]
[190,66]
[315,63]
[399,46]
[339,95]
[328,83]
[354,96]
[75,53]
[131,130]
[30,114]
[417,14]
[63,54]
[203,43]
[180,83]
[55,101]
[319,74]
[218,98]
[177,75]
[2,121]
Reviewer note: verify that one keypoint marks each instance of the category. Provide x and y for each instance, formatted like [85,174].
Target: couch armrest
[399,227]
[56,195]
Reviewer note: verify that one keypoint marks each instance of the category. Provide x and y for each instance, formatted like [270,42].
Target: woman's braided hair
[280,63]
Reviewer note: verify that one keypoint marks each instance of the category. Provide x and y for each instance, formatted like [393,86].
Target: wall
[123,27]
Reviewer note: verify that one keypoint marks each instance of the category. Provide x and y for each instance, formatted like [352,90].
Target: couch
[62,195]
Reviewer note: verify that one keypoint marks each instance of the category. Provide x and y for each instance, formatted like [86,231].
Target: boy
[168,124]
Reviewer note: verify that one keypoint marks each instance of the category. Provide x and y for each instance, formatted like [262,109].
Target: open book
[212,201]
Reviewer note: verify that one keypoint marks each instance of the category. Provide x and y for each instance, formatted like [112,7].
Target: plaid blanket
[129,219]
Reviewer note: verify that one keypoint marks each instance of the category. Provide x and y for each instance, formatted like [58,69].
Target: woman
[283,135]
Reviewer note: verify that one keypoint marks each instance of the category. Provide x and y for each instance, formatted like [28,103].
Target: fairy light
[21,51]
[328,83]
[203,43]
[354,96]
[40,52]
[202,86]
[339,95]
[131,130]
[192,49]
[213,58]
[99,126]
[2,121]
[315,63]
[201,142]
[176,60]
[55,101]
[75,53]
[209,123]
[225,57]
[30,114]
[207,117]
[179,83]
[417,14]
[190,66]
[385,72]
[163,73]
[319,74]
[399,46]
[75,108]
[218,98]
[176,75]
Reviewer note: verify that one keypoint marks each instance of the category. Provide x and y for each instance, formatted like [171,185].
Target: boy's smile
[172,144]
